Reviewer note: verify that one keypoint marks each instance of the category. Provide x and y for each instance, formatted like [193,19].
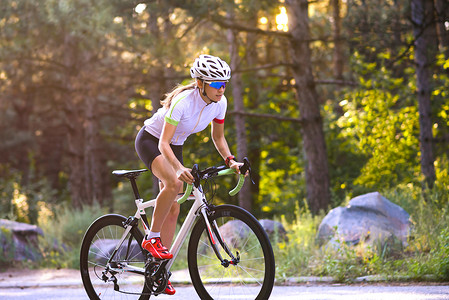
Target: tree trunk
[317,173]
[75,130]
[92,152]
[422,17]
[338,45]
[239,120]
[80,109]
[442,16]
[338,51]
[255,133]
[158,89]
[155,94]
[23,104]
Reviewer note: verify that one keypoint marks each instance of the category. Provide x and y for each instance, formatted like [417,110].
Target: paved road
[308,292]
[66,284]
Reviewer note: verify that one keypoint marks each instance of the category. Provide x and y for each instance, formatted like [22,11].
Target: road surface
[307,292]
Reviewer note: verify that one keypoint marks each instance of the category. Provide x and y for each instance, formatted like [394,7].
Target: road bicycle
[229,254]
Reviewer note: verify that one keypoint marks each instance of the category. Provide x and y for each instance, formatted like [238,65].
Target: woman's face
[213,93]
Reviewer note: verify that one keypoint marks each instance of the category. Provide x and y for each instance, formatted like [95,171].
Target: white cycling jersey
[189,113]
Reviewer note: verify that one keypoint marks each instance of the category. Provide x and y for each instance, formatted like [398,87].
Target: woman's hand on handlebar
[184,174]
[236,166]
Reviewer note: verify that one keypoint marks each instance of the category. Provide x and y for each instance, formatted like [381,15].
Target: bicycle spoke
[98,277]
[96,264]
[243,278]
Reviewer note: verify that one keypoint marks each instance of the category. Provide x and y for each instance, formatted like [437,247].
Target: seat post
[134,185]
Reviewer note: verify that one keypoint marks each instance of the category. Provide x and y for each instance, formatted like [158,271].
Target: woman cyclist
[186,110]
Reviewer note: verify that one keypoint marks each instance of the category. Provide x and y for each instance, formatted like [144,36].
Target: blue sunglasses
[217,84]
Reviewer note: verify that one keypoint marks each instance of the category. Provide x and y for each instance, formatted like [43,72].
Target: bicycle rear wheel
[252,277]
[100,277]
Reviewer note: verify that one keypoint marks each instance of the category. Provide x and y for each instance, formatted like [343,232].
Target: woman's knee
[174,186]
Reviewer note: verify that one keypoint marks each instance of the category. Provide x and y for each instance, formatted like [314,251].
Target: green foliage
[57,57]
[381,122]
[345,161]
[23,202]
[425,257]
[8,182]
[440,107]
[295,254]
[63,234]
[7,248]
[281,169]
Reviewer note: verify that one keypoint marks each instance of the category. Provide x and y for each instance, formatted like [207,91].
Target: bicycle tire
[98,243]
[252,278]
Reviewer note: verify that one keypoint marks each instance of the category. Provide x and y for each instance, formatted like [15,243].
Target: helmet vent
[208,67]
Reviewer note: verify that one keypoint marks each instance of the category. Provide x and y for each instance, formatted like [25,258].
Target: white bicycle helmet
[210,68]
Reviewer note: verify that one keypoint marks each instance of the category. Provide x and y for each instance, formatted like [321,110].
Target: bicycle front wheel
[121,277]
[252,277]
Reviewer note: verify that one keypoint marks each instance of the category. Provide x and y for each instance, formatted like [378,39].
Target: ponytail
[176,91]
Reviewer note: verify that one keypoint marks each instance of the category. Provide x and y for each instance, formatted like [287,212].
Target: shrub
[63,235]
[426,256]
[7,248]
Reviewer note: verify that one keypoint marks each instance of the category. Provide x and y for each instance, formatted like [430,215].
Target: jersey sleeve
[222,112]
[176,110]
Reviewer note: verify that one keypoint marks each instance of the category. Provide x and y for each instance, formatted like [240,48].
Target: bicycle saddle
[130,174]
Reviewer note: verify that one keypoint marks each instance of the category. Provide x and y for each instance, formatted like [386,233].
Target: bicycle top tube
[214,172]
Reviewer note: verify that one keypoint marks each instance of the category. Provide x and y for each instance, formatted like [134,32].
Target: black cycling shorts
[147,147]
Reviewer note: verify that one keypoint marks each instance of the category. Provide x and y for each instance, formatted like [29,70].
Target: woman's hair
[176,91]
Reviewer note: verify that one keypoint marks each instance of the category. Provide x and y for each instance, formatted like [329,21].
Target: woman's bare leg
[165,199]
[169,226]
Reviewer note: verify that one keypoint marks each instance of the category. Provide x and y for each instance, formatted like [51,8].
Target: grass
[425,258]
[63,236]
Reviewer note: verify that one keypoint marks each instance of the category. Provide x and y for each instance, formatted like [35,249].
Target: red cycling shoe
[155,247]
[169,290]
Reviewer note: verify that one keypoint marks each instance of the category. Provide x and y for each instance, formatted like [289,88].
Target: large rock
[236,232]
[274,229]
[370,220]
[19,241]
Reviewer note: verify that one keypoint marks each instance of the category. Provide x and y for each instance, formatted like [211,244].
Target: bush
[294,255]
[426,256]
[63,235]
[7,248]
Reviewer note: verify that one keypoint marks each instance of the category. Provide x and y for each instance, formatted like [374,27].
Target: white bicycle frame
[197,208]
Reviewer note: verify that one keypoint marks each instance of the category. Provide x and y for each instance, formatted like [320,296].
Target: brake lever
[246,168]
[196,175]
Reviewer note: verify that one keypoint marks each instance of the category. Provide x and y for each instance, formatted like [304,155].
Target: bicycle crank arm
[128,269]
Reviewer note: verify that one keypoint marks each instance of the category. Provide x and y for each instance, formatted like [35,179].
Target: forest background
[328,100]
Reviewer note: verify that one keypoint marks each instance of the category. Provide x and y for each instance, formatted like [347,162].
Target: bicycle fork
[212,229]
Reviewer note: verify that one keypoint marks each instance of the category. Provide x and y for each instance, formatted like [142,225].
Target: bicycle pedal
[160,260]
